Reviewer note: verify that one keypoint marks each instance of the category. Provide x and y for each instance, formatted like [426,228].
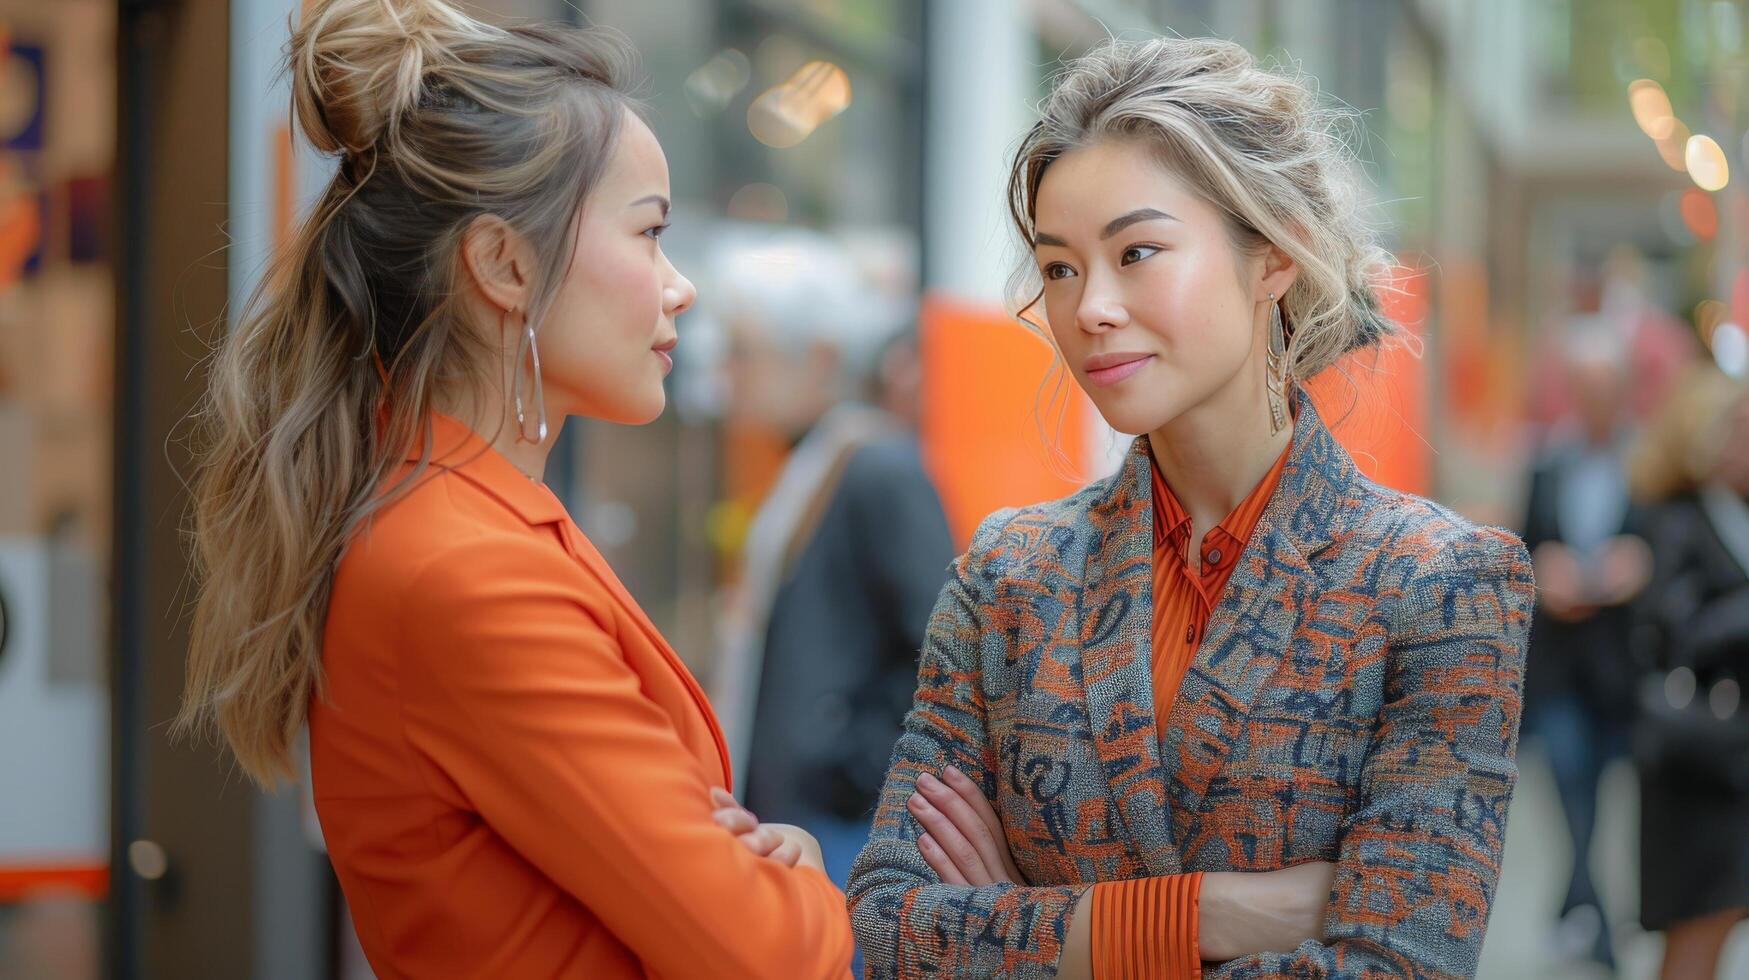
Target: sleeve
[1147,927]
[907,923]
[522,703]
[1420,850]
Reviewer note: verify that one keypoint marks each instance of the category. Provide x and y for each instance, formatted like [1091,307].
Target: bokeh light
[1708,314]
[758,202]
[1706,163]
[714,83]
[1674,147]
[1699,214]
[1730,347]
[787,113]
[1670,219]
[1651,108]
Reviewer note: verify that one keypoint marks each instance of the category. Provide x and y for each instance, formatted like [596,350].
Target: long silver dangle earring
[1277,380]
[540,405]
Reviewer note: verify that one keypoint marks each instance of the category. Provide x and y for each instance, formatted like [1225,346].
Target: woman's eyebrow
[655,199]
[1112,227]
[1123,221]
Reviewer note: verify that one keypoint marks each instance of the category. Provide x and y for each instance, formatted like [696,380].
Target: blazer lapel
[1252,627]
[584,552]
[1116,659]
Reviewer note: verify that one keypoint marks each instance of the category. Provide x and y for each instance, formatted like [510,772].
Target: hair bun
[359,65]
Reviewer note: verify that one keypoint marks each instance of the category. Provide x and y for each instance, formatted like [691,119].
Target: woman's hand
[1560,582]
[1244,912]
[784,843]
[962,839]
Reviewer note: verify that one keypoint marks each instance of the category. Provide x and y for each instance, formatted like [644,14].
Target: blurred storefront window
[57,135]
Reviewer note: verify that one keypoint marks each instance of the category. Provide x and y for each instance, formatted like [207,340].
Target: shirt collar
[1172,521]
[454,447]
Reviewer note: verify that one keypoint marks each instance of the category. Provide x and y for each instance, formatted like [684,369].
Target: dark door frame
[242,893]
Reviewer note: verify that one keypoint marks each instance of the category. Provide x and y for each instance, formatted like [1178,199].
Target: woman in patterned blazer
[1239,710]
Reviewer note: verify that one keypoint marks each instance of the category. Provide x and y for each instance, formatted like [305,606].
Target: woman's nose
[1099,314]
[678,295]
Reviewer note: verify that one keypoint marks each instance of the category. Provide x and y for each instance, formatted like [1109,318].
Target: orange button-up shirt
[1147,927]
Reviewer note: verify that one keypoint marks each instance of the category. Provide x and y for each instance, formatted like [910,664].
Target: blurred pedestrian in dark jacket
[1691,743]
[1580,678]
[848,551]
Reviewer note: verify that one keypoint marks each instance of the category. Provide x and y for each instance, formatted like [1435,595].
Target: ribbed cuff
[1147,928]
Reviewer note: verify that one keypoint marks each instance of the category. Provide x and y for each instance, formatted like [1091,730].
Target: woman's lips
[661,350]
[1108,369]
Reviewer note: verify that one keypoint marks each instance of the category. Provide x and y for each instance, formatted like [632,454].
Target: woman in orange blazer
[515,774]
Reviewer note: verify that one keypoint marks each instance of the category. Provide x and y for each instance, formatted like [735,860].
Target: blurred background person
[1692,738]
[1580,528]
[847,551]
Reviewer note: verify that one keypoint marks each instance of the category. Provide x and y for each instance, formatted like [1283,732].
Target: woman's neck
[495,423]
[1214,454]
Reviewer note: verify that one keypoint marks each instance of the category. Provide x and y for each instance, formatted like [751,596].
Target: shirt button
[1190,634]
[1214,556]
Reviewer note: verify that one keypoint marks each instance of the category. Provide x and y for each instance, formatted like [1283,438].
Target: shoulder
[884,465]
[1020,541]
[1440,563]
[890,455]
[1409,525]
[443,544]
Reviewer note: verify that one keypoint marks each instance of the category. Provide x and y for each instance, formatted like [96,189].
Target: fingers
[981,830]
[735,818]
[762,842]
[951,839]
[736,821]
[937,859]
[968,791]
[974,795]
[787,853]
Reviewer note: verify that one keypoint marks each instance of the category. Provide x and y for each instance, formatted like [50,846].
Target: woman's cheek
[639,295]
[1059,314]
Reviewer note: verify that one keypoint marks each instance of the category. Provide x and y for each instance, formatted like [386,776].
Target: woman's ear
[496,261]
[1279,271]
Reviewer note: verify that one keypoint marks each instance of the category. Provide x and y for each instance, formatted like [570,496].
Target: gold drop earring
[1277,379]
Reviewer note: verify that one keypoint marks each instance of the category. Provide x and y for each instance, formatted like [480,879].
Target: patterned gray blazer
[1355,699]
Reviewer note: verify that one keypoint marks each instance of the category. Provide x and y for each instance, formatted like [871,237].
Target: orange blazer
[512,768]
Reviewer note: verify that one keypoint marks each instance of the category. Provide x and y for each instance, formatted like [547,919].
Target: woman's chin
[649,410]
[1130,420]
[630,411]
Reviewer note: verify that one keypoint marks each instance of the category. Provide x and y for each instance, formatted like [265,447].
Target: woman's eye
[1136,253]
[655,232]
[1057,270]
